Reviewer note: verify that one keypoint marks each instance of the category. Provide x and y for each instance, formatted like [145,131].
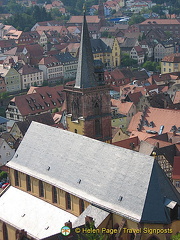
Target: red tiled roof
[161,144]
[123,108]
[159,117]
[177,98]
[134,97]
[173,58]
[176,168]
[45,99]
[142,136]
[160,21]
[129,143]
[79,19]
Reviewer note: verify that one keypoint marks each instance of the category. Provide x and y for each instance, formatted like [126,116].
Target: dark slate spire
[85,77]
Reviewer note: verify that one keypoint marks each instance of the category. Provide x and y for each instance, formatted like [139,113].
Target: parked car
[5,185]
[2,183]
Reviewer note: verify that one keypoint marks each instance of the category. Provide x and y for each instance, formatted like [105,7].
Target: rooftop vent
[120,198]
[79,181]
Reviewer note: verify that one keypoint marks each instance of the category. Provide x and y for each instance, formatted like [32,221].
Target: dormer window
[151,124]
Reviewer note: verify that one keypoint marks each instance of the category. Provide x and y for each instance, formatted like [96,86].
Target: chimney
[88,220]
[68,224]
[157,144]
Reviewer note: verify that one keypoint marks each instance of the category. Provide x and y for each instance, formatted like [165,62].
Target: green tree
[3,175]
[135,19]
[126,61]
[176,237]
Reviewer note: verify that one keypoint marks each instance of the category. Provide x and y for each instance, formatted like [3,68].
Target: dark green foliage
[3,175]
[126,61]
[26,20]
[136,18]
[176,237]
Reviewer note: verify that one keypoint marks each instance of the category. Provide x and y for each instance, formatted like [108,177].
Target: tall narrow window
[5,232]
[41,189]
[68,201]
[97,109]
[81,205]
[16,178]
[97,127]
[54,194]
[28,183]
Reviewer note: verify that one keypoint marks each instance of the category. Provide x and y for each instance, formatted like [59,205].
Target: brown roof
[141,135]
[27,69]
[129,143]
[160,21]
[48,60]
[45,99]
[159,117]
[174,58]
[158,143]
[79,19]
[123,108]
[176,168]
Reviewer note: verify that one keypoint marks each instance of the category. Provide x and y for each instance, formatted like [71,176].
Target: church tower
[101,10]
[88,102]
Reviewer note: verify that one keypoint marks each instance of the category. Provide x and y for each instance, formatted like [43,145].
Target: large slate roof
[113,178]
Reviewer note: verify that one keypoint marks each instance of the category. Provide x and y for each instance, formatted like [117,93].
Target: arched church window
[97,108]
[97,127]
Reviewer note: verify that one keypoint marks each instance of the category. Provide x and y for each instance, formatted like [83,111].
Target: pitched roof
[45,99]
[129,143]
[139,197]
[152,22]
[85,72]
[98,46]
[79,19]
[27,69]
[176,97]
[124,107]
[160,117]
[30,212]
[173,58]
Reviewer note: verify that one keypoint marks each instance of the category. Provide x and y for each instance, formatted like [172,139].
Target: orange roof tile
[129,143]
[161,144]
[142,136]
[123,108]
[177,98]
[160,21]
[159,117]
[79,19]
[174,58]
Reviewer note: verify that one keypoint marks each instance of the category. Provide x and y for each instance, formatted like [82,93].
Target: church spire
[85,77]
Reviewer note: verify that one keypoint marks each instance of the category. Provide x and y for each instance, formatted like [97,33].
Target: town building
[6,152]
[163,49]
[170,63]
[170,25]
[138,54]
[30,76]
[11,78]
[88,102]
[40,100]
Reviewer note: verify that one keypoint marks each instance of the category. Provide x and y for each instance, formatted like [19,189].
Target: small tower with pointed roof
[88,102]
